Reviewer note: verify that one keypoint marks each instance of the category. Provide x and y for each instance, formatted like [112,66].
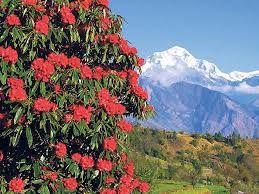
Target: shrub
[67,78]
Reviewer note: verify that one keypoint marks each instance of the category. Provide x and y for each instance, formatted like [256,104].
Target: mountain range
[196,96]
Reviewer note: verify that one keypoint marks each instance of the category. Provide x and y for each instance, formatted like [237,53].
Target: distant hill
[196,109]
[215,160]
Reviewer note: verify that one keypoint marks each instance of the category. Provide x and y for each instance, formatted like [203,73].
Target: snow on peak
[177,64]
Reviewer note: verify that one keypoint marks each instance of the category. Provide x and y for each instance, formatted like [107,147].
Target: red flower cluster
[112,38]
[70,184]
[13,20]
[124,126]
[16,185]
[74,62]
[99,73]
[16,93]
[80,112]
[126,180]
[86,72]
[122,74]
[61,150]
[43,105]
[135,88]
[126,49]
[109,144]
[109,180]
[105,23]
[129,168]
[60,60]
[108,191]
[52,176]
[9,54]
[76,157]
[43,69]
[109,103]
[103,2]
[85,4]
[42,26]
[67,15]
[140,62]
[30,2]
[144,187]
[104,165]
[68,118]
[57,89]
[87,162]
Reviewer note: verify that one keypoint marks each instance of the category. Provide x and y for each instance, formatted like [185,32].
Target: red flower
[74,62]
[109,180]
[68,118]
[15,83]
[110,103]
[103,2]
[133,51]
[104,165]
[112,38]
[57,89]
[139,91]
[43,69]
[42,27]
[124,126]
[70,184]
[61,150]
[17,94]
[67,15]
[124,189]
[30,2]
[86,72]
[144,187]
[126,180]
[122,74]
[9,55]
[80,112]
[13,20]
[2,116]
[52,176]
[129,168]
[76,157]
[1,156]
[135,183]
[60,60]
[85,4]
[98,73]
[109,144]
[108,191]
[124,47]
[43,105]
[16,185]
[124,157]
[105,23]
[87,162]
[141,62]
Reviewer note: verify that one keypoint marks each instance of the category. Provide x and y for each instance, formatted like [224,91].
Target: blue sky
[225,32]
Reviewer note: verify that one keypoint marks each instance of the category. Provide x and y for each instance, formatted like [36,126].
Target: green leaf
[29,136]
[36,170]
[44,190]
[25,167]
[18,115]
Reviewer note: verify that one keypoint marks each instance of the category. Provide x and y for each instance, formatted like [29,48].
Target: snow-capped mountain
[177,64]
[187,94]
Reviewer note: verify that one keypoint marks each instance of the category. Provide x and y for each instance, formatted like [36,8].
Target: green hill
[176,162]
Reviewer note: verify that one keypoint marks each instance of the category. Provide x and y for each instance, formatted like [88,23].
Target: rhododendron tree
[68,81]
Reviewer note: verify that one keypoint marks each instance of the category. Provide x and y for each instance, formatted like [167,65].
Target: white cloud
[242,87]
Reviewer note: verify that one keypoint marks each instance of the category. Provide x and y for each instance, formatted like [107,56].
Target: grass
[187,188]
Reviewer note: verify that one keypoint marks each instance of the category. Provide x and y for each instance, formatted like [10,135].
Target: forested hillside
[163,156]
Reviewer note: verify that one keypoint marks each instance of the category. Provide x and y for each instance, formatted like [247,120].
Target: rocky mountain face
[194,95]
